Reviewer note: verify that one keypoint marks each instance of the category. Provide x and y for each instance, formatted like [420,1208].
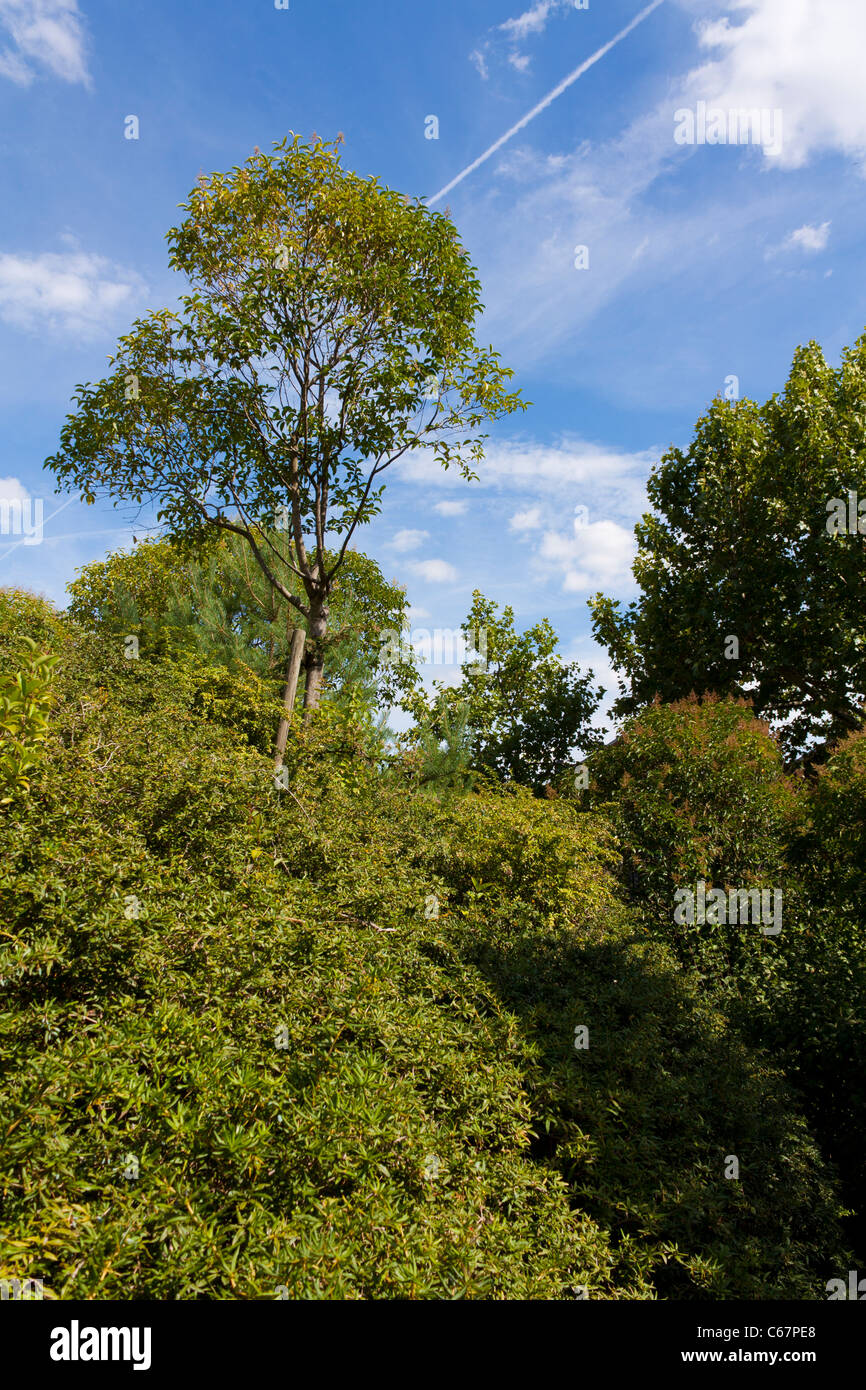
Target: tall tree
[330,330]
[753,568]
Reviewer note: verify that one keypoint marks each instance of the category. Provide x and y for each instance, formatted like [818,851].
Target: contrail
[545,101]
[15,544]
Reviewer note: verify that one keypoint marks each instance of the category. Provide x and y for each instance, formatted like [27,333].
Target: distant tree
[329,332]
[524,710]
[747,544]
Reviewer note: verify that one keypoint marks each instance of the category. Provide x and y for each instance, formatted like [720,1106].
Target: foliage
[697,791]
[25,614]
[330,330]
[25,699]
[833,842]
[444,753]
[739,546]
[220,605]
[525,711]
[241,1053]
[819,1023]
[30,637]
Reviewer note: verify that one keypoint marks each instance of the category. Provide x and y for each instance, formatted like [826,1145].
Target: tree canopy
[221,604]
[746,543]
[329,331]
[521,710]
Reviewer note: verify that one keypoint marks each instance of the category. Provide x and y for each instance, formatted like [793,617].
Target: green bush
[26,623]
[696,791]
[643,1120]
[320,1039]
[818,1024]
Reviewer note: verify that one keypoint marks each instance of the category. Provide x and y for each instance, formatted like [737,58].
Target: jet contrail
[545,101]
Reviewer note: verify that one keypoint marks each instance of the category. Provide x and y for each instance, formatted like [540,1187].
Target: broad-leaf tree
[523,712]
[758,536]
[329,332]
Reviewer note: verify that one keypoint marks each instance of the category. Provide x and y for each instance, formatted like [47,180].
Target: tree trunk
[293,670]
[315,659]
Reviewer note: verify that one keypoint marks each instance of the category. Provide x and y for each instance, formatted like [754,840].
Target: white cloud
[597,556]
[532,21]
[530,520]
[808,238]
[408,540]
[804,57]
[800,56]
[13,490]
[434,571]
[574,472]
[597,492]
[49,33]
[74,292]
[450,508]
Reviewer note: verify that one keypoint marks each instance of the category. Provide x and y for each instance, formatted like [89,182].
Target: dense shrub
[643,1122]
[833,842]
[321,1039]
[818,1025]
[696,791]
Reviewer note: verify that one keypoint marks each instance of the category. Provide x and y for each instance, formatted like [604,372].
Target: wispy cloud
[407,540]
[46,33]
[534,20]
[551,477]
[478,58]
[528,520]
[808,238]
[70,292]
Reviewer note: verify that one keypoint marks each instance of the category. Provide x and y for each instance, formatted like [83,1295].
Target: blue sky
[704,261]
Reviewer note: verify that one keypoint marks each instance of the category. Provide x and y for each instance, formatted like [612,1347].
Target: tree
[525,711]
[747,544]
[330,330]
[221,604]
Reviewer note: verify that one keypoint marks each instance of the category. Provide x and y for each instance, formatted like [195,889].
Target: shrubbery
[697,790]
[322,1038]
